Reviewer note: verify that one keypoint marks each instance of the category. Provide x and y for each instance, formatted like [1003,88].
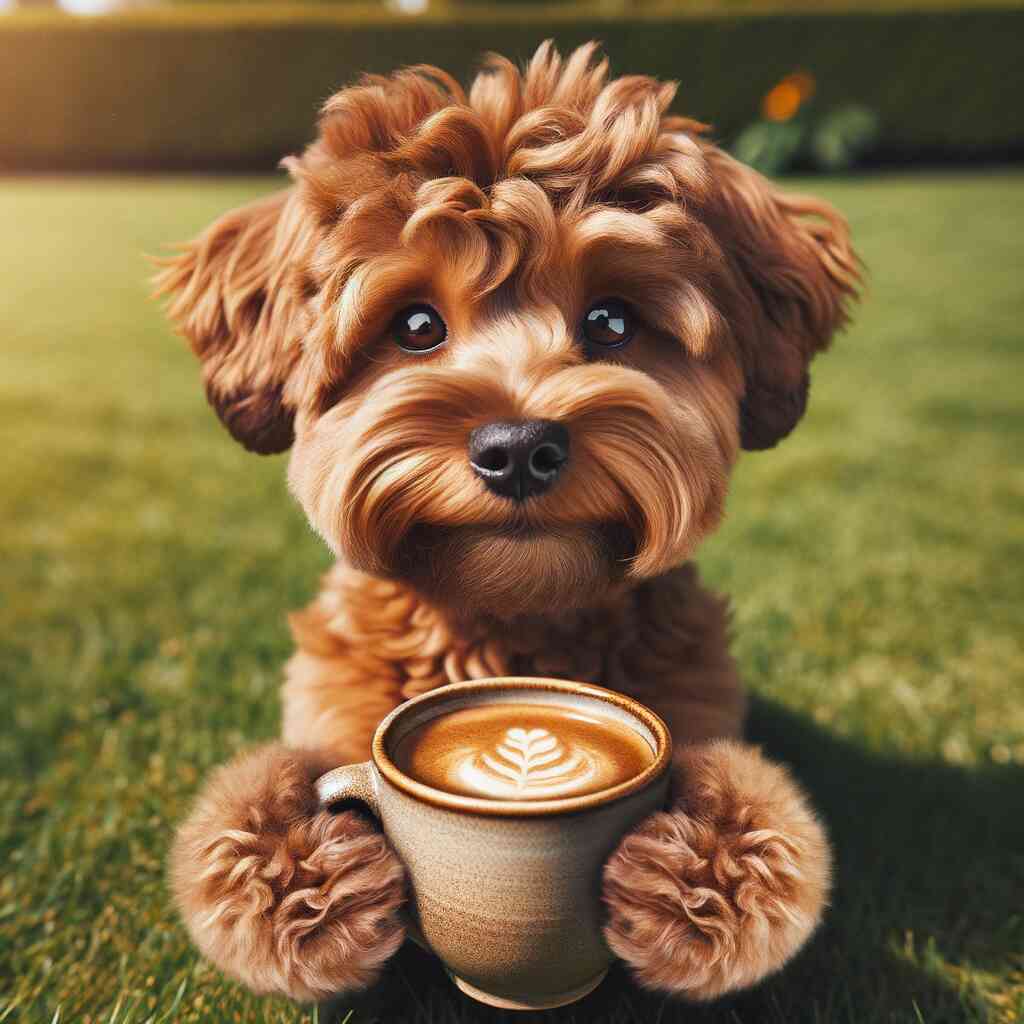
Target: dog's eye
[609,324]
[419,329]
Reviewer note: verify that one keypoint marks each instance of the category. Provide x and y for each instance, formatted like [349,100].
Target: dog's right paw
[281,895]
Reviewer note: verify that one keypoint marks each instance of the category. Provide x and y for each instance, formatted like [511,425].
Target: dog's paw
[285,897]
[722,889]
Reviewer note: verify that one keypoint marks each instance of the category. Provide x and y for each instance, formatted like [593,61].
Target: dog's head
[514,339]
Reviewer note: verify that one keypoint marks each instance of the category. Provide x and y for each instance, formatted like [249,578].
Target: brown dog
[515,342]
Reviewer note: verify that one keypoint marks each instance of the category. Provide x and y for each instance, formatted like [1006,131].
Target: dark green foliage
[772,147]
[835,141]
[223,87]
[843,137]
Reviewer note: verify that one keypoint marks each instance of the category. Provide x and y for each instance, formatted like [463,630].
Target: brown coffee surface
[521,751]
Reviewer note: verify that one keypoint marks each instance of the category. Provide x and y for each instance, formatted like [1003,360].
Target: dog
[515,340]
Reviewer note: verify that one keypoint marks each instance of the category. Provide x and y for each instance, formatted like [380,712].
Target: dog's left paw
[723,888]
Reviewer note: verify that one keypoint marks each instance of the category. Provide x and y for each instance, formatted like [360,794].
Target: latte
[520,751]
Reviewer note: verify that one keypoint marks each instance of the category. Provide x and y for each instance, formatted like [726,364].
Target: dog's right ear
[237,300]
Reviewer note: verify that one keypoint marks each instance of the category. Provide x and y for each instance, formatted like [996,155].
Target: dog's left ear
[795,272]
[238,302]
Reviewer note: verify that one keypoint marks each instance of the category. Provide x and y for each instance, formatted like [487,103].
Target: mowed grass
[874,560]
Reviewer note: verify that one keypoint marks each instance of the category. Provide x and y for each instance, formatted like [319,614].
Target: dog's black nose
[519,458]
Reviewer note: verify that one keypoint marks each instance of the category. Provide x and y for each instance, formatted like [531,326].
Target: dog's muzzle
[520,458]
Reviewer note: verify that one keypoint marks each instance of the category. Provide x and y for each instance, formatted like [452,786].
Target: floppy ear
[795,272]
[238,302]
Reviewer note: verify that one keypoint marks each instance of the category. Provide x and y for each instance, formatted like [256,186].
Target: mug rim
[523,808]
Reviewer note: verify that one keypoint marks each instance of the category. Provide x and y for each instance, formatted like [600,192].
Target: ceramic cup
[507,892]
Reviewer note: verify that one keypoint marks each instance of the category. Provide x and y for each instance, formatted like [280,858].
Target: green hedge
[227,87]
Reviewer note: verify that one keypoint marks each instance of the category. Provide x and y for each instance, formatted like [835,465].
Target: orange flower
[786,98]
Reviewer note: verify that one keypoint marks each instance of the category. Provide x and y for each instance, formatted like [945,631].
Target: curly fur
[717,892]
[509,208]
[365,645]
[281,895]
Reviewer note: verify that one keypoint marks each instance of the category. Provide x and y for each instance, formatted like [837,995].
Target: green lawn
[875,561]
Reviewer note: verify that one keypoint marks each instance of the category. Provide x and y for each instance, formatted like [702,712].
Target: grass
[874,561]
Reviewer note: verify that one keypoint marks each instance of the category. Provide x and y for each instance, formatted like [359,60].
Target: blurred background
[873,560]
[825,85]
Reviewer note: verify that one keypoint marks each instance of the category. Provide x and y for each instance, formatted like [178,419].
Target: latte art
[519,751]
[528,763]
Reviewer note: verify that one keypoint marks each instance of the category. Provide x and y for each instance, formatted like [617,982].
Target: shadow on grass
[928,894]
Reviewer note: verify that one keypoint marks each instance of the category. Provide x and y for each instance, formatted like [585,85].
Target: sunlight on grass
[873,560]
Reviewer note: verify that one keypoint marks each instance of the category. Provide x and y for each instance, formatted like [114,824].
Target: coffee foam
[522,751]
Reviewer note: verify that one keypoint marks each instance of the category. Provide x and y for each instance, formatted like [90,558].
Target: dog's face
[515,341]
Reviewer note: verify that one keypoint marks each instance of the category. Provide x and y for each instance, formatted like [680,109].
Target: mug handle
[350,782]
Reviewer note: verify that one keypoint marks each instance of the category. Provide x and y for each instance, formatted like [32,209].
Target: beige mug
[507,892]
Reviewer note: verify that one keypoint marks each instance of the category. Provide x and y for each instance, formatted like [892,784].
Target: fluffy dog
[515,341]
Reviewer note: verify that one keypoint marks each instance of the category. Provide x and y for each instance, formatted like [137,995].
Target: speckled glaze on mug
[507,892]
